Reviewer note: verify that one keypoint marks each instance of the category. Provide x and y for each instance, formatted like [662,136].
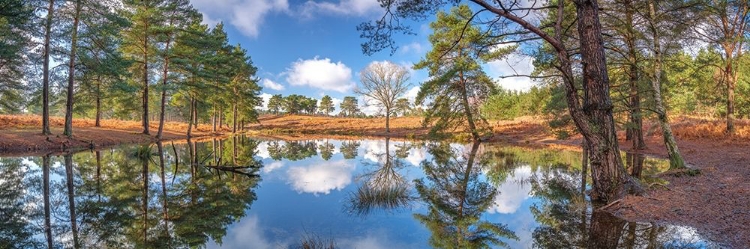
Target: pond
[244,192]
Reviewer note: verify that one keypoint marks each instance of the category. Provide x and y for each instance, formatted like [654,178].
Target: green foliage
[507,104]
[349,106]
[457,77]
[326,105]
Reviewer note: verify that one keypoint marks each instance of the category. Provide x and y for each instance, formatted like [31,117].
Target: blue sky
[312,47]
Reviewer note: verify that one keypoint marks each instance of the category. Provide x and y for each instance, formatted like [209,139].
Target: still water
[254,193]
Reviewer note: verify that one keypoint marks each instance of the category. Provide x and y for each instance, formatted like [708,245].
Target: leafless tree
[382,83]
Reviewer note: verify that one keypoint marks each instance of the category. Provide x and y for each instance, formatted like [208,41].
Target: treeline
[349,106]
[137,60]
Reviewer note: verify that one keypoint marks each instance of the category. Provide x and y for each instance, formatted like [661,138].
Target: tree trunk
[71,73]
[45,71]
[387,120]
[731,85]
[467,108]
[71,198]
[675,158]
[165,74]
[98,102]
[45,189]
[195,113]
[234,118]
[190,120]
[213,120]
[145,82]
[610,181]
[636,119]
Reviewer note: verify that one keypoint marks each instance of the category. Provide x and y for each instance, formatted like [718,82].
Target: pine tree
[326,105]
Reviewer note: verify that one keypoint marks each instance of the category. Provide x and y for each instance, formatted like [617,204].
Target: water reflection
[403,194]
[456,197]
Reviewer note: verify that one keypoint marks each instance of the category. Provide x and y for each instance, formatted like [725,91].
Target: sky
[312,47]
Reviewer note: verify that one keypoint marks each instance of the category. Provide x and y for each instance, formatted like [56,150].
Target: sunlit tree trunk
[675,158]
[71,73]
[98,101]
[45,71]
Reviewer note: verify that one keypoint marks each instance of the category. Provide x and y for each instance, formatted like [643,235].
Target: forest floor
[21,134]
[716,202]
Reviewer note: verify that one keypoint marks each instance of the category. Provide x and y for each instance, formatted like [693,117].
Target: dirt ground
[21,135]
[716,202]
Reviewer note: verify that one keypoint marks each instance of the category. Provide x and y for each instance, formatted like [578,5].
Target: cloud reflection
[321,178]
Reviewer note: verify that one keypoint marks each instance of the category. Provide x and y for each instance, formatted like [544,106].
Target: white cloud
[320,73]
[414,47]
[416,155]
[245,15]
[343,7]
[273,85]
[265,97]
[513,64]
[512,192]
[321,178]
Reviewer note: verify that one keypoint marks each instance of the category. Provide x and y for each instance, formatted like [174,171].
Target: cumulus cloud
[273,85]
[262,150]
[342,7]
[513,64]
[265,97]
[321,178]
[320,73]
[512,192]
[414,47]
[245,15]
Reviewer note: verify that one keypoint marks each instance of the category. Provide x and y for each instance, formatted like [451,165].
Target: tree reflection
[382,189]
[292,150]
[15,229]
[349,149]
[456,198]
[326,150]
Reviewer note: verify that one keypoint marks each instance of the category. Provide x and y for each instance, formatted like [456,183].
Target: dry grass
[702,128]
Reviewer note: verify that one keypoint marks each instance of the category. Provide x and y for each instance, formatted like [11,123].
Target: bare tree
[382,83]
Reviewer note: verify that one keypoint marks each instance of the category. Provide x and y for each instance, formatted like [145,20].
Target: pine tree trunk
[234,118]
[190,119]
[145,82]
[610,181]
[163,102]
[213,119]
[636,119]
[675,158]
[45,71]
[467,108]
[71,73]
[98,102]
[731,85]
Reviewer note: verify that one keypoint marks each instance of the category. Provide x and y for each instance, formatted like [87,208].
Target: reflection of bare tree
[383,188]
[456,198]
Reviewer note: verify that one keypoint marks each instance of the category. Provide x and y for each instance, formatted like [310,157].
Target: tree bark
[675,158]
[467,108]
[98,102]
[190,120]
[387,120]
[234,118]
[610,181]
[145,81]
[71,73]
[636,133]
[164,82]
[45,70]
